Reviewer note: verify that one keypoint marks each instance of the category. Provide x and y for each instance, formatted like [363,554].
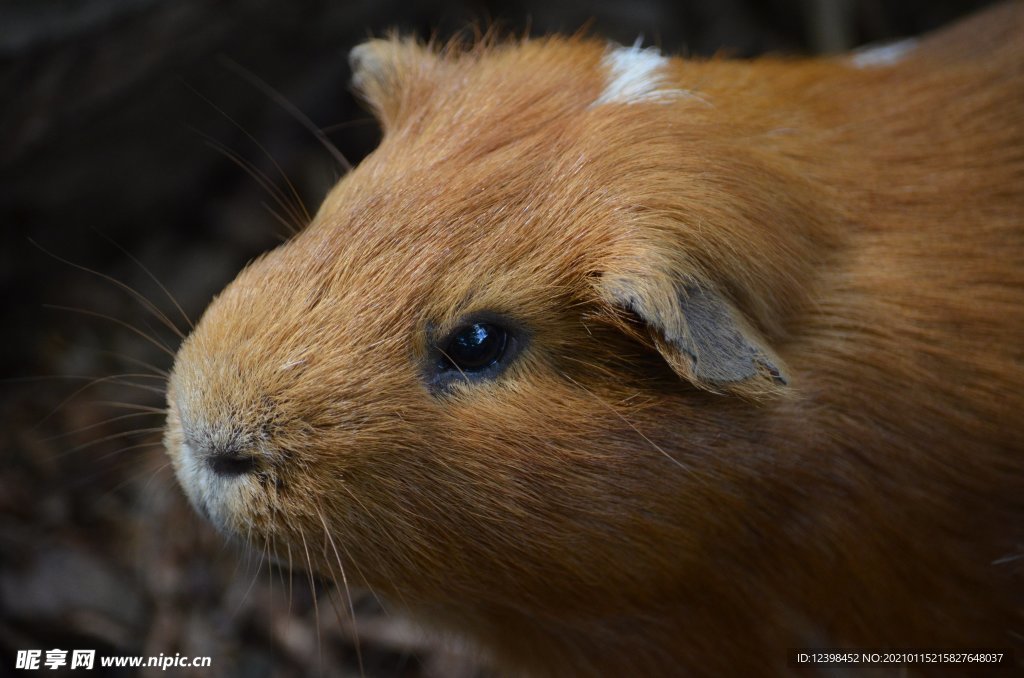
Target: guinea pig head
[496,366]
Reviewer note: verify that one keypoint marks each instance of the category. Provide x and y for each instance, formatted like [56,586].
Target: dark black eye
[476,347]
[478,350]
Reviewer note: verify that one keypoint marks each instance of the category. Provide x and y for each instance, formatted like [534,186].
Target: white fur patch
[874,56]
[635,76]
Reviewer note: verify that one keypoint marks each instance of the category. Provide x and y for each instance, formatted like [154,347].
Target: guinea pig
[621,364]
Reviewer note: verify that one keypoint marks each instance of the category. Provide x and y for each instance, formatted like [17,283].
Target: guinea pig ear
[386,73]
[700,334]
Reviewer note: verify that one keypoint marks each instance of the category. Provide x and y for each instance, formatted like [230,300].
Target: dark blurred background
[133,146]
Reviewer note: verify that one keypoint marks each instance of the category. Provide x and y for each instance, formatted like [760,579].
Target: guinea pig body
[626,365]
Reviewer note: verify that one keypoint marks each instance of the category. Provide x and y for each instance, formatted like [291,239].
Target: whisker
[142,387]
[94,381]
[112,436]
[291,577]
[268,154]
[247,551]
[1008,559]
[89,479]
[136,361]
[105,422]
[151,276]
[132,406]
[316,607]
[630,424]
[263,181]
[133,477]
[327,129]
[70,377]
[255,577]
[121,323]
[348,592]
[146,303]
[153,331]
[289,228]
[224,547]
[152,476]
[341,624]
[383,529]
[122,450]
[291,108]
[273,549]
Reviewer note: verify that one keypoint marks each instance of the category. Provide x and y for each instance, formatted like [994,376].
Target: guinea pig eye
[476,347]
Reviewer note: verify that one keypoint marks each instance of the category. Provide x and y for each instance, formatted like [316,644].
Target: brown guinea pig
[618,364]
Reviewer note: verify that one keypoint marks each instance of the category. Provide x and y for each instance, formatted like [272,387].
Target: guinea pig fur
[620,364]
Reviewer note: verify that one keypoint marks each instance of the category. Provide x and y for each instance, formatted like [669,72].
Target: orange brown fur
[599,509]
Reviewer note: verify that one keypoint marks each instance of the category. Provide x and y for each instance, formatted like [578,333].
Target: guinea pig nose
[230,462]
